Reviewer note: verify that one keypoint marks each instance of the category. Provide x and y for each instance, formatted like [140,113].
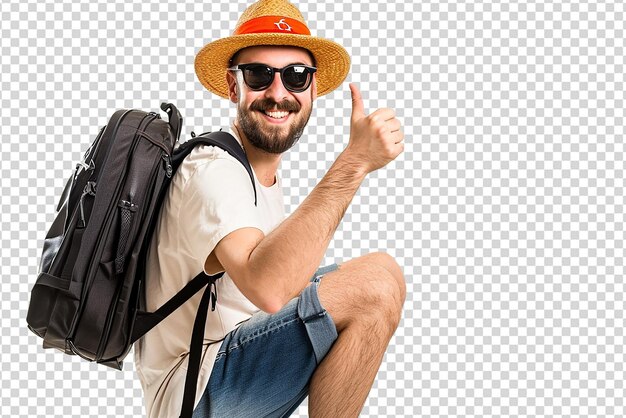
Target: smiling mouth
[276,114]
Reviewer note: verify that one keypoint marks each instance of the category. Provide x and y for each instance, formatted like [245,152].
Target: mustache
[267,104]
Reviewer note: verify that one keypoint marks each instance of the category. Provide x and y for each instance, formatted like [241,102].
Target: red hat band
[273,24]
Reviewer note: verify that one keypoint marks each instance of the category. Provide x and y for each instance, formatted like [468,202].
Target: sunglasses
[296,77]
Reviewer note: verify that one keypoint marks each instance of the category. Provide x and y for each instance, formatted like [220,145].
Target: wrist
[353,163]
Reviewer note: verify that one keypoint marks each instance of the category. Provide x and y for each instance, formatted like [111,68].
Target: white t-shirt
[210,196]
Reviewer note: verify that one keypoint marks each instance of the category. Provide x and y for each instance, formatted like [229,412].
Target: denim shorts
[264,366]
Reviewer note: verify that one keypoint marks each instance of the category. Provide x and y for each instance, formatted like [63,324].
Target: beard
[269,138]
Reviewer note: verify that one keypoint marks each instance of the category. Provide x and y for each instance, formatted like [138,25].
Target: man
[279,332]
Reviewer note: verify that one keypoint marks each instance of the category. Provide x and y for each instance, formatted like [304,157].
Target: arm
[270,270]
[296,247]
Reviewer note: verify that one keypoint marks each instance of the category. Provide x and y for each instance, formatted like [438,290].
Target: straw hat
[272,22]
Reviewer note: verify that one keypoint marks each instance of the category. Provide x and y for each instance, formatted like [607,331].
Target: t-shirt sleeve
[218,199]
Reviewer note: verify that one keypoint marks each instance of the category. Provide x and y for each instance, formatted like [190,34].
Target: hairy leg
[364,298]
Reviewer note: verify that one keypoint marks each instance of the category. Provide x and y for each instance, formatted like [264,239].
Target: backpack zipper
[167,161]
[90,189]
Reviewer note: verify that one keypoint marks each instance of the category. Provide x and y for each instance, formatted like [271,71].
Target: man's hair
[234,58]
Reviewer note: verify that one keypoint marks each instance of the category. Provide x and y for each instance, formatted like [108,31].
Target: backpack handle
[175,118]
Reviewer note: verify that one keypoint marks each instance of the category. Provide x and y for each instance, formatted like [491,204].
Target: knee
[383,300]
[390,264]
[367,291]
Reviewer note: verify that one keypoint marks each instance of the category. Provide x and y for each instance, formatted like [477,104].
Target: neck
[263,163]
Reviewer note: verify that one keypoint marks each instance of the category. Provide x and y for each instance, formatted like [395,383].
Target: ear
[232,87]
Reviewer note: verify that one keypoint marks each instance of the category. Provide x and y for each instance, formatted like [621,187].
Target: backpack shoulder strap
[220,139]
[145,321]
[195,350]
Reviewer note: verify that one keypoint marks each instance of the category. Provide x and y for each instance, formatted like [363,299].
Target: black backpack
[88,299]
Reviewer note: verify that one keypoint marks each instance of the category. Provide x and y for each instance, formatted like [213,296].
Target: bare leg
[364,298]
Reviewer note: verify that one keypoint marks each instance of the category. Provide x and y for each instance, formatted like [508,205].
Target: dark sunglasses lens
[258,76]
[297,77]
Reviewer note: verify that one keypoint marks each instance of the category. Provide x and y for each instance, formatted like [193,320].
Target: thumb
[357,102]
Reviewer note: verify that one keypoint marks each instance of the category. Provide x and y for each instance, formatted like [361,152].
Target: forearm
[287,257]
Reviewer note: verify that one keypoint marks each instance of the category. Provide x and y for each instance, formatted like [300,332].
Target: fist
[375,139]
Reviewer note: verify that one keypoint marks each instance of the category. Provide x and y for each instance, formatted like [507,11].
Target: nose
[277,90]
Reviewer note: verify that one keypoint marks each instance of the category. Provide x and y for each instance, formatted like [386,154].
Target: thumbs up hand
[375,139]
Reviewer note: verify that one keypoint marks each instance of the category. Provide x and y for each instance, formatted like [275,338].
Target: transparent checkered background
[506,209]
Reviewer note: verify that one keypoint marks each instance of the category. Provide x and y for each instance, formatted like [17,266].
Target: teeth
[276,115]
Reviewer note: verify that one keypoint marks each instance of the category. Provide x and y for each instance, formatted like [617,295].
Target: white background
[506,209]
